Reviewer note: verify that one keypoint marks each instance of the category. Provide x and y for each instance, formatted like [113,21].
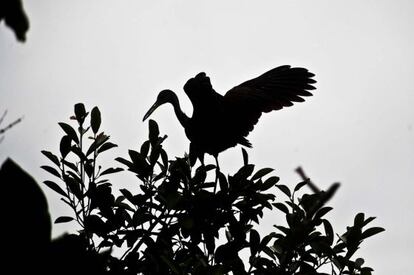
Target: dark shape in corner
[220,122]
[25,219]
[15,17]
[27,245]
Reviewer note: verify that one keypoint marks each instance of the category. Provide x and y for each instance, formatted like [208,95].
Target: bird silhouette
[221,122]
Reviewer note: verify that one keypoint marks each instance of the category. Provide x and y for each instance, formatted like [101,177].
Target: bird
[220,122]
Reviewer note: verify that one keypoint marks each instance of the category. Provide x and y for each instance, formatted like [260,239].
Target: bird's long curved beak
[151,110]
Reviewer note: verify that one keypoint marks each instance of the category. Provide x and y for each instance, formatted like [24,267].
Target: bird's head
[165,96]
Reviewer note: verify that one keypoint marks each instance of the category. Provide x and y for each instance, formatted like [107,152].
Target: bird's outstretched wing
[273,90]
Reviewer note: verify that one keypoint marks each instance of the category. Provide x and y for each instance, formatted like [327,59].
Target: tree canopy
[194,220]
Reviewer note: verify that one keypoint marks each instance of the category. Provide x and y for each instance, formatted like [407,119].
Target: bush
[195,220]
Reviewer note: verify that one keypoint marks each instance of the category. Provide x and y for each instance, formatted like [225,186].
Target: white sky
[357,129]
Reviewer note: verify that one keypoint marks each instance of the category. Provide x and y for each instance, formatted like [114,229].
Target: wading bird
[220,122]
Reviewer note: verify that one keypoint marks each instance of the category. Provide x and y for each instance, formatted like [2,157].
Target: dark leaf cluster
[196,220]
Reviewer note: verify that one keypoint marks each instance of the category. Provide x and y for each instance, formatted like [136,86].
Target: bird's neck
[182,117]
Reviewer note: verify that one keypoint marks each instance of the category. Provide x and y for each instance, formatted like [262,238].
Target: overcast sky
[117,55]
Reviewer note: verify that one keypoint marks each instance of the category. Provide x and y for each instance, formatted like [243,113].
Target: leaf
[70,165]
[51,170]
[164,158]
[52,157]
[261,173]
[244,172]
[367,221]
[89,168]
[73,186]
[52,185]
[254,242]
[95,119]
[269,252]
[79,153]
[160,175]
[281,207]
[245,157]
[294,207]
[127,194]
[371,232]
[125,162]
[284,189]
[106,146]
[278,247]
[359,262]
[267,239]
[111,170]
[83,130]
[209,184]
[100,139]
[359,220]
[67,202]
[69,131]
[145,148]
[300,185]
[127,207]
[269,183]
[321,212]
[199,176]
[328,231]
[224,185]
[154,132]
[283,229]
[80,112]
[65,146]
[64,219]
[75,177]
[154,155]
[366,271]
[140,163]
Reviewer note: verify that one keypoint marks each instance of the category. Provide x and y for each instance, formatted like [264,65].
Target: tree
[194,220]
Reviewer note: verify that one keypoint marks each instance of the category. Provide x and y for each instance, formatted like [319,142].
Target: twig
[327,195]
[2,131]
[311,185]
[3,116]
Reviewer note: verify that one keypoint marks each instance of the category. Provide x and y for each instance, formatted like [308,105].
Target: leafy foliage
[196,220]
[85,189]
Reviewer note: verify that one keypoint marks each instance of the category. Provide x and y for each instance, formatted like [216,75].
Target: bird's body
[220,122]
[212,128]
